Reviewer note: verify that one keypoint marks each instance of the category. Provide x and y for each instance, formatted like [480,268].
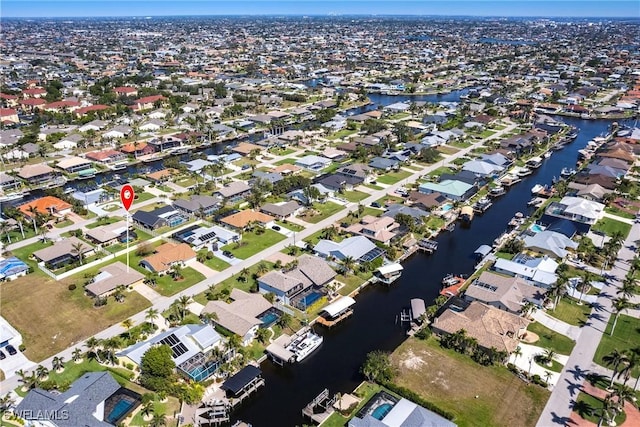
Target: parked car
[275,227]
[375,205]
[227,254]
[2,355]
[11,350]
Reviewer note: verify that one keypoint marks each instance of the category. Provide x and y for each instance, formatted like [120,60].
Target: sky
[95,8]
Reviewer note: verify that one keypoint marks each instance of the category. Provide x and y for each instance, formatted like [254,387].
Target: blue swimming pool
[536,228]
[120,410]
[381,411]
[311,298]
[269,318]
[447,207]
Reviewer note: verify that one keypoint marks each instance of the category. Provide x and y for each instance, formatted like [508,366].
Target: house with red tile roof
[126,91]
[36,92]
[9,115]
[90,109]
[31,104]
[106,156]
[147,102]
[61,106]
[9,100]
[47,205]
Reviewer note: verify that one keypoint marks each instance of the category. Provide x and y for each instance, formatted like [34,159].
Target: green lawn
[252,243]
[569,311]
[393,177]
[217,264]
[63,224]
[143,236]
[285,162]
[290,225]
[354,195]
[142,197]
[351,282]
[25,252]
[615,211]
[15,235]
[625,336]
[317,236]
[588,407]
[441,170]
[551,339]
[322,211]
[236,281]
[373,187]
[610,226]
[282,151]
[167,286]
[105,220]
[364,391]
[341,134]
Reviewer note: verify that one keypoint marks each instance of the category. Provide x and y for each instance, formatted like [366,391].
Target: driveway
[14,363]
[232,261]
[556,325]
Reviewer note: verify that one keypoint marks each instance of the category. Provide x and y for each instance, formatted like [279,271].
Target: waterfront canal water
[335,365]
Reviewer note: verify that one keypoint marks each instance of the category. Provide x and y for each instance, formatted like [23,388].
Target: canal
[335,365]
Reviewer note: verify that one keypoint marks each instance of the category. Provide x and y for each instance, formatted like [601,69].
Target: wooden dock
[427,245]
[320,408]
[331,323]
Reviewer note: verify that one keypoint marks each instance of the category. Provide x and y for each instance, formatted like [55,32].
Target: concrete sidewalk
[556,325]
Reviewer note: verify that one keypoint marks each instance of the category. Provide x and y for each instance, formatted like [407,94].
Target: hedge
[416,398]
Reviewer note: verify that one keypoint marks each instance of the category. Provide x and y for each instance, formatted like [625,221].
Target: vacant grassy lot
[569,311]
[550,339]
[453,381]
[253,243]
[626,335]
[105,220]
[354,196]
[52,318]
[217,264]
[609,226]
[393,177]
[447,150]
[290,225]
[320,211]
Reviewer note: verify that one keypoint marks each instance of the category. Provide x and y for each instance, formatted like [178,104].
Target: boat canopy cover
[483,250]
[466,210]
[417,308]
[337,307]
[280,352]
[390,268]
[239,381]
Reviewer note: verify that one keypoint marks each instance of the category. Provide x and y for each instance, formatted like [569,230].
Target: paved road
[163,303]
[560,404]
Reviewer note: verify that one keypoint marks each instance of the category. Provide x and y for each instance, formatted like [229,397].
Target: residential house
[106,156]
[337,182]
[47,205]
[137,149]
[313,163]
[503,292]
[8,182]
[109,234]
[73,164]
[200,237]
[293,287]
[147,102]
[117,132]
[9,116]
[234,191]
[271,177]
[111,277]
[550,243]
[538,271]
[160,217]
[453,189]
[384,164]
[191,347]
[11,268]
[93,400]
[63,252]
[584,213]
[245,148]
[242,219]
[94,125]
[481,168]
[126,91]
[198,205]
[281,210]
[68,142]
[358,248]
[491,327]
[378,229]
[400,412]
[152,125]
[359,171]
[37,174]
[242,316]
[166,256]
[414,212]
[427,201]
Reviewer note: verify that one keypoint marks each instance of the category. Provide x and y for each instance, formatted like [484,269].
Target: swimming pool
[447,207]
[311,298]
[381,411]
[536,228]
[120,410]
[269,318]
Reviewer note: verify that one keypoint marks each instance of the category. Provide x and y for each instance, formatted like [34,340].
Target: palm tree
[127,324]
[549,355]
[6,403]
[57,363]
[284,320]
[210,317]
[605,412]
[556,291]
[147,409]
[176,272]
[159,420]
[151,315]
[547,376]
[628,288]
[76,355]
[22,377]
[42,372]
[33,213]
[633,361]
[619,305]
[263,335]
[615,360]
[182,304]
[623,394]
[347,264]
[77,249]
[528,308]
[93,345]
[261,269]
[4,229]
[516,353]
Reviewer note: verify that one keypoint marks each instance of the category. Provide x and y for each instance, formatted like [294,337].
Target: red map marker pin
[126,196]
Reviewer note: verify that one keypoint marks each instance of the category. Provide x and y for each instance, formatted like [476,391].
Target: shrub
[416,398]
[423,333]
[72,287]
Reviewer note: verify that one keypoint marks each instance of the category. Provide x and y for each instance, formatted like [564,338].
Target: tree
[517,353]
[78,250]
[159,420]
[151,315]
[263,335]
[92,345]
[76,355]
[4,229]
[347,264]
[619,305]
[284,321]
[615,360]
[57,363]
[34,214]
[156,369]
[127,324]
[147,409]
[182,306]
[42,372]
[605,412]
[527,308]
[377,367]
[6,403]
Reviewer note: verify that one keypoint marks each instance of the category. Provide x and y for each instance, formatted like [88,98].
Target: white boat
[13,196]
[389,273]
[547,154]
[304,343]
[524,172]
[567,172]
[537,188]
[534,162]
[497,191]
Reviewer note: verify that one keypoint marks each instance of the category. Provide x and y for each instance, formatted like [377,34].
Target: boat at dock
[13,196]
[534,162]
[509,179]
[119,166]
[524,171]
[497,191]
[451,285]
[389,273]
[567,172]
[87,173]
[547,154]
[536,188]
[427,245]
[482,205]
[304,343]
